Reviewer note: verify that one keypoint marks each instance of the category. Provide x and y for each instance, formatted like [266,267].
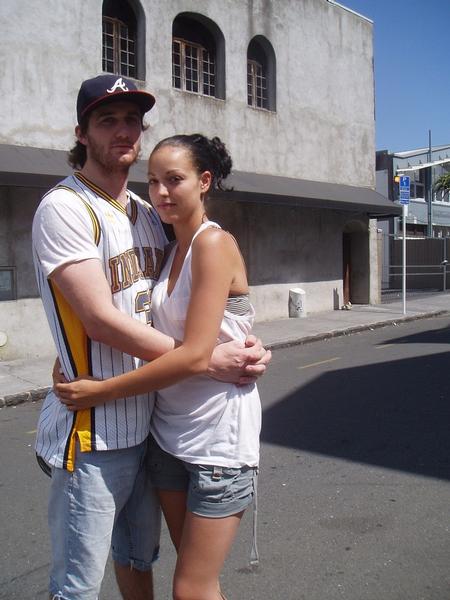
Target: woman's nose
[163,191]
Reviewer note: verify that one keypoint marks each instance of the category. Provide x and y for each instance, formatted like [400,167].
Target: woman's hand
[83,392]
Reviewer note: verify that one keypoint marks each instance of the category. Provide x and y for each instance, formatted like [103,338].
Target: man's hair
[78,155]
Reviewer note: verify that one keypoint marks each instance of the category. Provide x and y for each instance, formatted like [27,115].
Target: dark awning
[39,167]
[312,194]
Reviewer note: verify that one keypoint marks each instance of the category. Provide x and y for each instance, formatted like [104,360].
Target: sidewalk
[25,380]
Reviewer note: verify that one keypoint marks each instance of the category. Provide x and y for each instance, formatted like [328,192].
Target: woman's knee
[187,589]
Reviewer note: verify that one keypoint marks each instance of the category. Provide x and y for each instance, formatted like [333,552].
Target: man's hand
[57,374]
[234,362]
[254,369]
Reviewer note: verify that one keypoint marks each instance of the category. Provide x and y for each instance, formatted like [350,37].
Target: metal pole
[444,264]
[430,187]
[404,258]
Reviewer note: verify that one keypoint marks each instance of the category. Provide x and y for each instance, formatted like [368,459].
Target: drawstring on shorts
[254,554]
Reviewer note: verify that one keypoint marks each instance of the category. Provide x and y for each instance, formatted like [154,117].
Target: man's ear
[81,137]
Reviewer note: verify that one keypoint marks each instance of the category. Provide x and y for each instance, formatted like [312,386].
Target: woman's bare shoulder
[214,237]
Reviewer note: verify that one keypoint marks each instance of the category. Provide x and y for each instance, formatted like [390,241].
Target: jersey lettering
[125,269]
[152,267]
[114,270]
[131,271]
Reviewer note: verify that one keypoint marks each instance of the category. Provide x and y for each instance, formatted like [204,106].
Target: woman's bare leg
[173,505]
[205,544]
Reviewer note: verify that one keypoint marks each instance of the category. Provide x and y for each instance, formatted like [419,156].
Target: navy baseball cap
[106,88]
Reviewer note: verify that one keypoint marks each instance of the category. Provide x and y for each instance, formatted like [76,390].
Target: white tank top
[201,420]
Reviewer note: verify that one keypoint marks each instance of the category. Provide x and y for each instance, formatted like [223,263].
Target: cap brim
[144,100]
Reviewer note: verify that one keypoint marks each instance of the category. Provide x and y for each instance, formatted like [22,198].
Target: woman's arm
[215,260]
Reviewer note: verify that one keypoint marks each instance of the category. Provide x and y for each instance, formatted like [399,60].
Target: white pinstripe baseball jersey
[76,221]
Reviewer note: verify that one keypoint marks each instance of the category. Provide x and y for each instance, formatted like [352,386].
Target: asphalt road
[354,495]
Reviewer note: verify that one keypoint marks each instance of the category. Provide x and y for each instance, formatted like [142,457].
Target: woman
[205,452]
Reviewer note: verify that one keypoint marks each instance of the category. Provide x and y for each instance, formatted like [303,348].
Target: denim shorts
[107,501]
[211,491]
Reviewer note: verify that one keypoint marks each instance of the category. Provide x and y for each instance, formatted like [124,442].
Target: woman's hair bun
[208,154]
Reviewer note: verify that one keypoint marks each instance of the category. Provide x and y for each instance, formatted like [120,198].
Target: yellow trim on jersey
[134,211]
[82,430]
[94,218]
[76,343]
[101,193]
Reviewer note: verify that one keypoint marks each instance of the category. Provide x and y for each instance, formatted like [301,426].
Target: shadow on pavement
[386,414]
[432,336]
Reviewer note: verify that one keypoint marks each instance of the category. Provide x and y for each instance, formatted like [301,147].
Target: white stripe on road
[321,362]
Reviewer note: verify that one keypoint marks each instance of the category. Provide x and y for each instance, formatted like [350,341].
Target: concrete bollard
[297,303]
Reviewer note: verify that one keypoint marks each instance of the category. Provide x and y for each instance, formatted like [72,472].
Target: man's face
[113,135]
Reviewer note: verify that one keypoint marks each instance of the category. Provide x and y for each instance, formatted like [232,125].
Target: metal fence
[427,266]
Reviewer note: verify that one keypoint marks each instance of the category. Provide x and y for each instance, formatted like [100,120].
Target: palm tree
[442,183]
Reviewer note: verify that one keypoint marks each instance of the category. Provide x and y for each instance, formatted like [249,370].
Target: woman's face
[175,187]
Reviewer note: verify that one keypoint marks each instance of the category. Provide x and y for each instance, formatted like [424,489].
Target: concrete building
[428,215]
[287,84]
[428,211]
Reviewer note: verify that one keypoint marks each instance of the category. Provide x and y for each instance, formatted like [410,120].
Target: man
[98,250]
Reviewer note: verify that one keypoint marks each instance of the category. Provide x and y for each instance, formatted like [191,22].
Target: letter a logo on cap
[118,84]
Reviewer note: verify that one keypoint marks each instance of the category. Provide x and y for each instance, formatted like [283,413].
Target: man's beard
[108,163]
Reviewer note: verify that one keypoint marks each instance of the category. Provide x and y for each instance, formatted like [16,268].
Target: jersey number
[143,303]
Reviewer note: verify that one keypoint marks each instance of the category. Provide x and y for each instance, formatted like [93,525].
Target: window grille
[256,85]
[119,48]
[193,68]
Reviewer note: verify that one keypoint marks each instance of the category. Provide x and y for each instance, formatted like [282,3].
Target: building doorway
[355,263]
[347,267]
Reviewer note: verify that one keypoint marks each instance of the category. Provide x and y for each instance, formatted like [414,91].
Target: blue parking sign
[404,189]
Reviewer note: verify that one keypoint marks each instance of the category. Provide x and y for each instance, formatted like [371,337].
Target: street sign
[404,189]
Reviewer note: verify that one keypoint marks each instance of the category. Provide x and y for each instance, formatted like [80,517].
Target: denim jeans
[107,500]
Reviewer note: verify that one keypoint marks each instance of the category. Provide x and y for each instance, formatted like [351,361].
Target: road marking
[32,431]
[384,346]
[321,362]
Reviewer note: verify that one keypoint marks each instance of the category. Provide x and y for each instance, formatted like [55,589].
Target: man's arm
[84,286]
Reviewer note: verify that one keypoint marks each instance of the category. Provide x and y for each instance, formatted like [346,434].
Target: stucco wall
[24,332]
[286,247]
[324,125]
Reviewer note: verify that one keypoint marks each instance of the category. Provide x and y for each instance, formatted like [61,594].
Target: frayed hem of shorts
[214,515]
[138,565]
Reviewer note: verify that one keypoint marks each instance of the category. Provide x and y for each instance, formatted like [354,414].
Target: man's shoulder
[62,199]
[64,189]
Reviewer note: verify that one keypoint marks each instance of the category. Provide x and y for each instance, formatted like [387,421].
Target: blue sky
[412,70]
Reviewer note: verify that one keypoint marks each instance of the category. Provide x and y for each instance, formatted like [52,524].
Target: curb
[38,394]
[21,397]
[351,330]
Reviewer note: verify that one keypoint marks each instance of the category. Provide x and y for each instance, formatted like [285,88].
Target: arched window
[261,74]
[123,51]
[198,56]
